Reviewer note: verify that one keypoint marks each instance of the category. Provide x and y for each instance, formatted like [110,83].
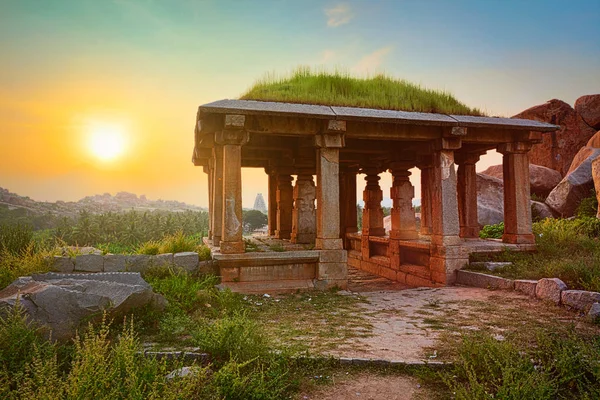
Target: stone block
[62,264]
[491,265]
[579,299]
[418,281]
[328,244]
[230,274]
[526,286]
[330,271]
[333,256]
[388,273]
[115,263]
[476,279]
[550,289]
[163,260]
[354,262]
[137,262]
[208,267]
[89,263]
[187,260]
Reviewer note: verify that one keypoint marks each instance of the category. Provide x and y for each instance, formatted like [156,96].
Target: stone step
[260,287]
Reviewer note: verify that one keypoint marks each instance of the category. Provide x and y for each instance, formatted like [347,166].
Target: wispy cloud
[328,56]
[372,61]
[339,15]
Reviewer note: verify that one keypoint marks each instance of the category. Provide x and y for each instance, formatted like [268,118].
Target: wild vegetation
[309,86]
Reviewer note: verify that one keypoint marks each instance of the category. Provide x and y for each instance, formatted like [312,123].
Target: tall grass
[309,86]
[29,261]
[15,238]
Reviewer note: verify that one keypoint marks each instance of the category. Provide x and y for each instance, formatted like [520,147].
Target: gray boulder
[490,200]
[61,302]
[579,299]
[576,185]
[541,179]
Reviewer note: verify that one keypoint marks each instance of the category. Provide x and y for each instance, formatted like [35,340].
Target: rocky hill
[122,201]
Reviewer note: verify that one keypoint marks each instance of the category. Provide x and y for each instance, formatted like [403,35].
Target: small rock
[182,372]
[550,289]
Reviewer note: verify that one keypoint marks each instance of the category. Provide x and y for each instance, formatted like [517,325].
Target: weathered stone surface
[550,289]
[476,279]
[526,286]
[490,200]
[594,312]
[208,267]
[596,179]
[540,211]
[163,260]
[588,107]
[558,149]
[579,299]
[114,263]
[89,263]
[183,372]
[74,250]
[576,186]
[61,302]
[541,179]
[187,260]
[137,262]
[62,264]
[594,141]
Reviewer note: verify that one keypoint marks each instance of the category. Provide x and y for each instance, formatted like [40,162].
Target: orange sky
[146,66]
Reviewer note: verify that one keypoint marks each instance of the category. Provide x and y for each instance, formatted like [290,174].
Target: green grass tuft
[308,86]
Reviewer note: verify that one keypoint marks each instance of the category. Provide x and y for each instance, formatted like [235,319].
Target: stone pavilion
[293,143]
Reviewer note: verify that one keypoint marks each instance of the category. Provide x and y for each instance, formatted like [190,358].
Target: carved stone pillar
[217,184]
[348,211]
[285,199]
[232,138]
[402,214]
[467,194]
[332,267]
[426,199]
[372,196]
[272,202]
[209,170]
[304,228]
[517,209]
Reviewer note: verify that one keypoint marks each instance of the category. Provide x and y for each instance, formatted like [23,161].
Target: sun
[107,141]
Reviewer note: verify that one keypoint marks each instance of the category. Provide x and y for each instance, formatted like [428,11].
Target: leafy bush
[151,248]
[203,253]
[15,238]
[556,367]
[492,231]
[588,206]
[28,262]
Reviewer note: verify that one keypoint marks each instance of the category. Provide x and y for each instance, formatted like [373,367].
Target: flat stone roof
[253,107]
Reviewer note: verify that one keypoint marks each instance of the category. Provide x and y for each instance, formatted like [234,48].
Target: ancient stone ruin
[336,144]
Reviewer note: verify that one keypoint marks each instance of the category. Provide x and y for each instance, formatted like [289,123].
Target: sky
[138,70]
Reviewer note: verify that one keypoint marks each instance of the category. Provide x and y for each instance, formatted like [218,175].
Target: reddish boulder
[596,178]
[589,109]
[594,141]
[576,186]
[541,179]
[558,148]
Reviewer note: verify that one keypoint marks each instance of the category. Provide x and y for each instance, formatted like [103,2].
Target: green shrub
[203,253]
[277,247]
[151,248]
[177,243]
[232,338]
[15,238]
[26,263]
[588,206]
[492,231]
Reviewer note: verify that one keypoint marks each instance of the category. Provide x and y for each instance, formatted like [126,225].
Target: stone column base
[445,261]
[328,244]
[232,247]
[515,238]
[332,269]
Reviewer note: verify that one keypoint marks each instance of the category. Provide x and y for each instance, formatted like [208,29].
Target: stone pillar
[467,195]
[403,214]
[217,184]
[209,169]
[447,255]
[304,215]
[372,196]
[332,268]
[272,202]
[517,209]
[285,200]
[348,212]
[426,200]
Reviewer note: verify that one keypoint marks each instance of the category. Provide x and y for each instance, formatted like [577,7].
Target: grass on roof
[337,88]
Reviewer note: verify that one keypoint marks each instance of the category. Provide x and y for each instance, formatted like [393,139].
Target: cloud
[338,15]
[371,62]
[327,56]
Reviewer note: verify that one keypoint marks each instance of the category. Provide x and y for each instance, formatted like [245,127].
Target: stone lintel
[514,148]
[335,126]
[458,131]
[466,158]
[448,143]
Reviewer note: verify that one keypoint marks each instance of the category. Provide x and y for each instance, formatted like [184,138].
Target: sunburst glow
[107,141]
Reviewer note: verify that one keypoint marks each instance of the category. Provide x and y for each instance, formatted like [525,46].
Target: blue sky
[153,62]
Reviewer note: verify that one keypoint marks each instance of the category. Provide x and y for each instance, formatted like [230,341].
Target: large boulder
[596,179]
[589,109]
[541,179]
[61,302]
[490,200]
[576,185]
[558,148]
[594,141]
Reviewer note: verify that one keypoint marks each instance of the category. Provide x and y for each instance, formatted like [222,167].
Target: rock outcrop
[576,185]
[558,148]
[541,179]
[589,109]
[61,302]
[490,200]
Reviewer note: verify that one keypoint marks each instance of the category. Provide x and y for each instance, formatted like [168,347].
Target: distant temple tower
[259,203]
